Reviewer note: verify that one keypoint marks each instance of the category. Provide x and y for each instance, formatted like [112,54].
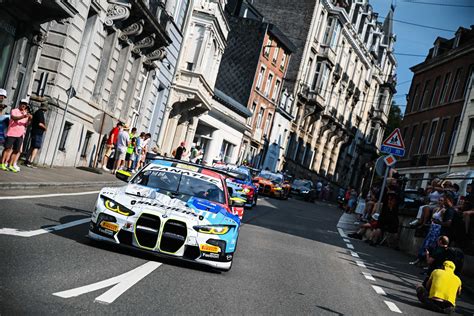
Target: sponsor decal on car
[209,248]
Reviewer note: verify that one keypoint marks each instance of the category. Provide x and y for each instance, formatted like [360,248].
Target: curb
[36,185]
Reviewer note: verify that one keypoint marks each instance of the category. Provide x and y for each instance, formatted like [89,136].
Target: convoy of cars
[272,184]
[305,189]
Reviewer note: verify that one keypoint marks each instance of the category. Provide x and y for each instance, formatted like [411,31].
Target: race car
[171,208]
[240,180]
[272,184]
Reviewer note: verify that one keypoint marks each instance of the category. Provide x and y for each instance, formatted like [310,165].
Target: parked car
[412,199]
[171,208]
[272,184]
[304,189]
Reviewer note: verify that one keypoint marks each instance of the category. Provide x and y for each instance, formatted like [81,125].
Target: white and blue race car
[171,208]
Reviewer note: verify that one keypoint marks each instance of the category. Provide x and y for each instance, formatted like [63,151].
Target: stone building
[118,57]
[437,124]
[193,85]
[341,80]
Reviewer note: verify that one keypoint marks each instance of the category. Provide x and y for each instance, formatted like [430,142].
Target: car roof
[211,172]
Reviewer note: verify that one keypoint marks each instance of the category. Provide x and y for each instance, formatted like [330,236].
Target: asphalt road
[291,259]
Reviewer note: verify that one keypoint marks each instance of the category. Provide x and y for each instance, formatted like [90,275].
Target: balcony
[356,95]
[328,54]
[345,77]
[391,84]
[336,73]
[350,88]
[314,102]
[340,118]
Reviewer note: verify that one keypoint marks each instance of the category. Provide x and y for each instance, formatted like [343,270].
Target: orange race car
[272,184]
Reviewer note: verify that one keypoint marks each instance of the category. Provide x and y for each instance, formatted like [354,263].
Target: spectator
[388,219]
[131,149]
[38,127]
[424,212]
[123,139]
[111,143]
[319,188]
[441,290]
[3,118]
[19,120]
[138,152]
[145,148]
[366,229]
[438,255]
[180,151]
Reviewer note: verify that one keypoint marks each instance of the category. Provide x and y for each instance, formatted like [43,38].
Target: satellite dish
[107,125]
[380,167]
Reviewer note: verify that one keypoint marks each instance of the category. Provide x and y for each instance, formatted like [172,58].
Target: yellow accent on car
[115,208]
[218,230]
[124,172]
[237,199]
[188,167]
[209,248]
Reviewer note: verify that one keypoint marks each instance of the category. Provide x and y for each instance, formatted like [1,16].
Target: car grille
[147,228]
[173,236]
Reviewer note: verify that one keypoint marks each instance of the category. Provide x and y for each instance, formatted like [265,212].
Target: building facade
[192,90]
[111,61]
[341,80]
[434,118]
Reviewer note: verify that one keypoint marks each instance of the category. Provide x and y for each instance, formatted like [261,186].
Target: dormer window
[457,39]
[435,51]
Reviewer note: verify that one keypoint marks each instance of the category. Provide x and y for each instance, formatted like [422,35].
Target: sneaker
[105,168]
[414,223]
[3,167]
[30,165]
[13,169]
[17,167]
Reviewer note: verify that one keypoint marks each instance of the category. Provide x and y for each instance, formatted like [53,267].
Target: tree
[394,119]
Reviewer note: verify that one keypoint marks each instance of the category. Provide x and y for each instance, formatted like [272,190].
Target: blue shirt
[3,127]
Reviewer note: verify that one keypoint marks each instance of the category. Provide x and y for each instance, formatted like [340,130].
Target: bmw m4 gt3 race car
[171,208]
[240,180]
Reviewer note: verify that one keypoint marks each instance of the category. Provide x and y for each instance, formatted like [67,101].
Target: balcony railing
[328,54]
[337,73]
[351,88]
[391,83]
[345,77]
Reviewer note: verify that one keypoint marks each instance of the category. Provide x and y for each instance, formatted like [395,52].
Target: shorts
[13,143]
[108,150]
[120,154]
[128,156]
[36,140]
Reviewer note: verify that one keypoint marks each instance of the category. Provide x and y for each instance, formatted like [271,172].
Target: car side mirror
[123,175]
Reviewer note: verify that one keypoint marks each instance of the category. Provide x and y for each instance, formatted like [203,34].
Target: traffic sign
[394,144]
[389,160]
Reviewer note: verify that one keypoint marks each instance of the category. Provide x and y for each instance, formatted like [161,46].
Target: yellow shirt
[444,285]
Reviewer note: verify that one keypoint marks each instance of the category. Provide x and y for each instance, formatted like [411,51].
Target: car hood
[140,198]
[300,187]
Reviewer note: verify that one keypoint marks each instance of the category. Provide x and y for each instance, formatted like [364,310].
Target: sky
[418,40]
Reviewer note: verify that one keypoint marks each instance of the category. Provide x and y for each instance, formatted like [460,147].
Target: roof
[185,165]
[388,25]
[231,103]
[285,41]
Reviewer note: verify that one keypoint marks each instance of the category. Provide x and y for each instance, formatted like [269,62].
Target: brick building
[431,125]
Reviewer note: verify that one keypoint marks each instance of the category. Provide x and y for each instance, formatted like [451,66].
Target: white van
[460,178]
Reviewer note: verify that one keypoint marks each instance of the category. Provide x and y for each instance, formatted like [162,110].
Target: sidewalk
[29,178]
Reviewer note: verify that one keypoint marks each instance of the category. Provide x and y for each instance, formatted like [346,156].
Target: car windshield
[181,186]
[302,183]
[274,177]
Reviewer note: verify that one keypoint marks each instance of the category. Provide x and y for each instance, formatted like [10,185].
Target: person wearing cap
[3,96]
[441,290]
[111,143]
[19,120]
[366,229]
[38,127]
[3,118]
[123,140]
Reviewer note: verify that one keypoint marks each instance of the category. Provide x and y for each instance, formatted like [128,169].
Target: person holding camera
[19,120]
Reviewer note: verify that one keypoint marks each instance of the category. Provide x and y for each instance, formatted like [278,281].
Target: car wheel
[255,201]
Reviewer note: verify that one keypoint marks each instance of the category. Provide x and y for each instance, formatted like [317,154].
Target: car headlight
[113,206]
[209,229]
[305,191]
[278,188]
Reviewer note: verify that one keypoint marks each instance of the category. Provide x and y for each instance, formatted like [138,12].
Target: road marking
[341,232]
[121,284]
[346,240]
[360,264]
[378,290]
[350,246]
[393,307]
[368,276]
[31,233]
[22,197]
[354,254]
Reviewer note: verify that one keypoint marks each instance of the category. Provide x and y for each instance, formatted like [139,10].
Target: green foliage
[394,119]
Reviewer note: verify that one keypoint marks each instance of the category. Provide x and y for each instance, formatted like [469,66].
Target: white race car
[171,208]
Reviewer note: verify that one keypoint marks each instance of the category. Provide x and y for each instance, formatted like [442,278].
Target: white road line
[354,254]
[378,290]
[350,246]
[122,283]
[342,233]
[346,240]
[31,233]
[368,276]
[393,307]
[361,264]
[22,197]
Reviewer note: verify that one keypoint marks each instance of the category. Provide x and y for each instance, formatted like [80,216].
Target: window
[268,85]
[276,89]
[283,61]
[320,23]
[442,136]
[276,51]
[435,90]
[414,97]
[308,70]
[86,144]
[195,47]
[335,33]
[260,78]
[453,135]
[456,82]
[226,151]
[259,117]
[64,136]
[445,88]
[332,31]
[412,139]
[252,109]
[268,124]
[266,51]
[421,142]
[468,78]
[467,142]
[434,125]
[424,95]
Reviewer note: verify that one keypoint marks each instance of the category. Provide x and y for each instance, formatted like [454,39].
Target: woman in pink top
[19,120]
